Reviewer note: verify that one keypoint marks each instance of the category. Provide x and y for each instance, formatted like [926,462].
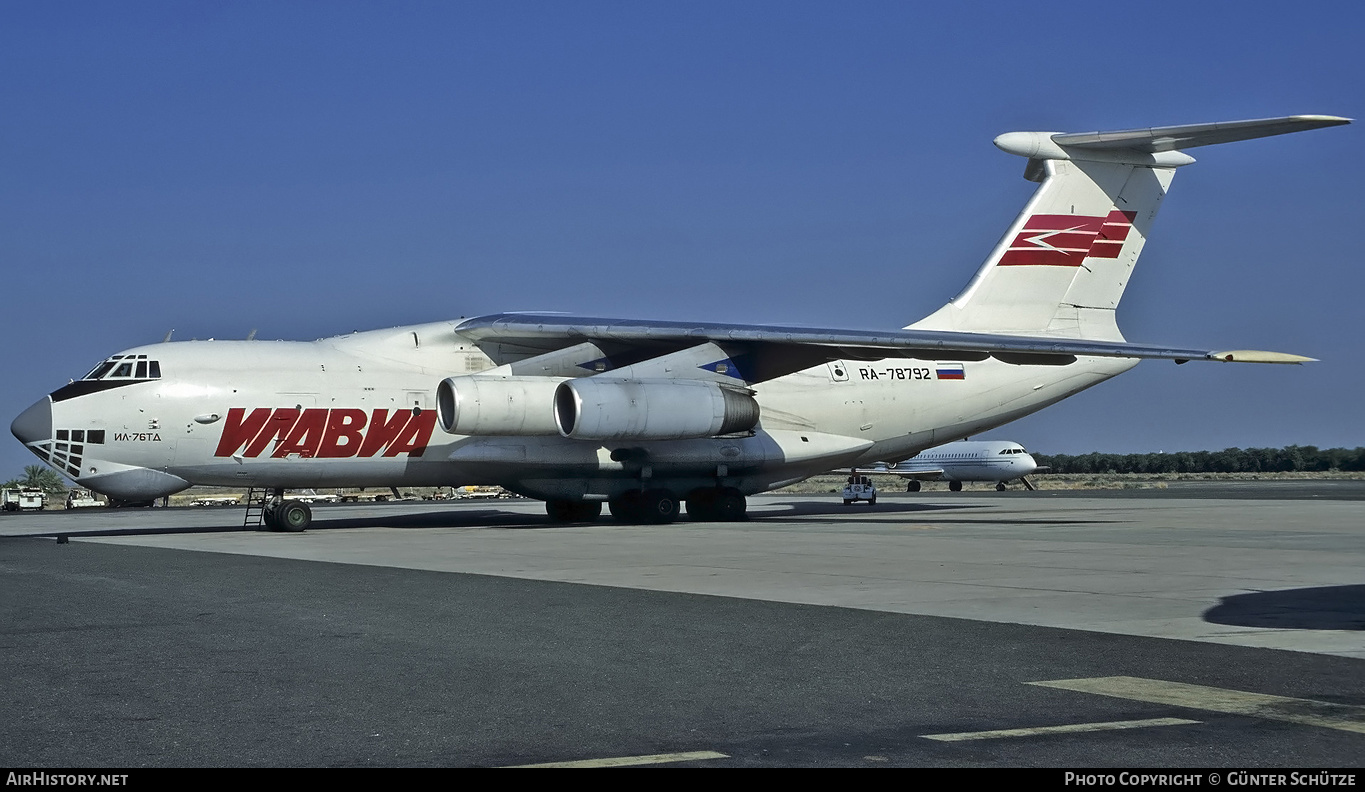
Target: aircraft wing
[778,350]
[883,469]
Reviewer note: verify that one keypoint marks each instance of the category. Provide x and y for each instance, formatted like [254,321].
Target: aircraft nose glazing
[34,424]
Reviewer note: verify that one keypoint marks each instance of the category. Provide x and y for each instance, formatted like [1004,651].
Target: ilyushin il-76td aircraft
[641,415]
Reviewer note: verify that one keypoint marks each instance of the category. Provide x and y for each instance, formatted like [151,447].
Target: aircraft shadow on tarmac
[1321,608]
[800,511]
[455,518]
[861,512]
[496,518]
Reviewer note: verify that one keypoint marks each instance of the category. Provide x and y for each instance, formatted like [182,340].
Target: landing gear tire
[913,486]
[955,486]
[999,486]
[716,505]
[653,507]
[731,506]
[658,507]
[627,507]
[701,505]
[268,517]
[567,511]
[293,516]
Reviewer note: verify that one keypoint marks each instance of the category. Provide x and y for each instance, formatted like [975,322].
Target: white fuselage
[358,410]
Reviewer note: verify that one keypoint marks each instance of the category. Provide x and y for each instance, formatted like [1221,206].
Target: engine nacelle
[592,408]
[474,405]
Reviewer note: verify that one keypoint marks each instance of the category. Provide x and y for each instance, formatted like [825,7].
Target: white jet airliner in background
[966,460]
[644,415]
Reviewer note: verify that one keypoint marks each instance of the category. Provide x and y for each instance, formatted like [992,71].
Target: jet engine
[593,408]
[474,405]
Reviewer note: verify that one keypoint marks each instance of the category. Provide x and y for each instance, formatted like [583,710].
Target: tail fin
[1064,263]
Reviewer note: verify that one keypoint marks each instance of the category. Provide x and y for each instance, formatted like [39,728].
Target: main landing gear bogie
[290,516]
[651,507]
[725,504]
[660,506]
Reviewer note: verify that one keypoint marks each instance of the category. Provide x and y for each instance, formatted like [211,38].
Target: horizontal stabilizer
[1153,146]
[1173,138]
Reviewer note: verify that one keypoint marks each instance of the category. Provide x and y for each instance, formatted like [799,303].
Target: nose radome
[35,423]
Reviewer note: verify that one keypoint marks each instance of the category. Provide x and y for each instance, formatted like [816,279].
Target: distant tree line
[1229,460]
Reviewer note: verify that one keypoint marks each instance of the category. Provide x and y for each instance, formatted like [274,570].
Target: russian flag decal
[951,371]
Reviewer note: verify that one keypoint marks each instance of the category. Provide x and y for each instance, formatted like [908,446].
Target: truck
[216,500]
[313,496]
[82,499]
[859,488]
[23,499]
[465,493]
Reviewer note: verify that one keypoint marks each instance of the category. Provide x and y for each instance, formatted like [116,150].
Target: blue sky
[307,169]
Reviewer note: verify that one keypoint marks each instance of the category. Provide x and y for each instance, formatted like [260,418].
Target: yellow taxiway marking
[630,761]
[1068,729]
[1346,717]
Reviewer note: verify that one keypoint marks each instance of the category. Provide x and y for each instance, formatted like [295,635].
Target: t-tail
[1062,267]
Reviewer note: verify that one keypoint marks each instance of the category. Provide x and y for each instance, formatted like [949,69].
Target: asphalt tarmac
[1206,627]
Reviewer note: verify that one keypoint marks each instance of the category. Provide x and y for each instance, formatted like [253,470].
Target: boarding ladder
[256,498]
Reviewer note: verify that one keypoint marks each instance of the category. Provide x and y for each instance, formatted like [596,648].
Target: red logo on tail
[1067,240]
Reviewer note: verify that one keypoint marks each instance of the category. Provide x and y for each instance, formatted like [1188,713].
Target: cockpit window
[126,367]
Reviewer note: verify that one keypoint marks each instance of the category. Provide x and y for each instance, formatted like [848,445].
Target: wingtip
[1328,120]
[1258,356]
